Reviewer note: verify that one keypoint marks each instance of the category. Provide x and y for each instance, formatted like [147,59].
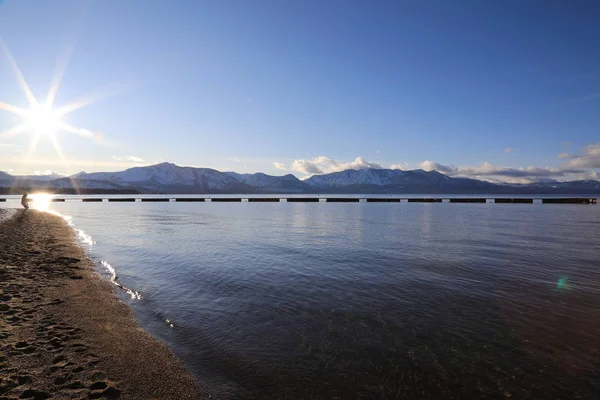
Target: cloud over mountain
[130,158]
[495,173]
[589,159]
[325,165]
[579,167]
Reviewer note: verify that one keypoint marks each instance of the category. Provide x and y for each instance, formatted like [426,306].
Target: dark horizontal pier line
[468,200]
[502,200]
[373,200]
[569,201]
[342,200]
[226,199]
[303,200]
[190,199]
[263,200]
[513,201]
[424,200]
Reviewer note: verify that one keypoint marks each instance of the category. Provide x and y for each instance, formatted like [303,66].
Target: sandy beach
[63,332]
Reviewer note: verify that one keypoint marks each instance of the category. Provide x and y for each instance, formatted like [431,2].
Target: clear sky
[492,89]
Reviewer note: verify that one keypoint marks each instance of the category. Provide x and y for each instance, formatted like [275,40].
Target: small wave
[87,239]
[135,295]
[81,235]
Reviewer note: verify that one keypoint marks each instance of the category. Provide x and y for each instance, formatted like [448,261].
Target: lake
[362,300]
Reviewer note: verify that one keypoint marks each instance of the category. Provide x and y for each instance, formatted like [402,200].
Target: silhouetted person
[24,201]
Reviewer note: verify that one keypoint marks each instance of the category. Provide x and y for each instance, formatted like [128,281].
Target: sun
[43,120]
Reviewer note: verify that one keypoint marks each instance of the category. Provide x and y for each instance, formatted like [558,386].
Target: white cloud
[46,173]
[509,150]
[279,165]
[403,166]
[130,158]
[485,171]
[563,155]
[324,165]
[435,166]
[490,172]
[589,159]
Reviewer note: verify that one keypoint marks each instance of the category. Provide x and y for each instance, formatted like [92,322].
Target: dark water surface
[309,301]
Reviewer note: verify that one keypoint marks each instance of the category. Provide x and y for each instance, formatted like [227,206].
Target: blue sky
[495,90]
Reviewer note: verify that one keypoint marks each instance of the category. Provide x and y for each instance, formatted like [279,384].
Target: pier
[424,200]
[514,201]
[342,200]
[187,199]
[569,201]
[378,200]
[226,199]
[264,200]
[303,200]
[319,199]
[463,200]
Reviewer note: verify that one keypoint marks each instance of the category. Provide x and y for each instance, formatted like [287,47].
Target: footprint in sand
[22,379]
[34,394]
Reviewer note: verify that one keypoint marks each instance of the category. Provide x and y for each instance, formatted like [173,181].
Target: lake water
[363,300]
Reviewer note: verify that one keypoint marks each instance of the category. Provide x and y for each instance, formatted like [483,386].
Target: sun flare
[41,201]
[43,120]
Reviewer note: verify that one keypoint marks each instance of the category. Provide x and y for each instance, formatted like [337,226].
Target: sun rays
[43,119]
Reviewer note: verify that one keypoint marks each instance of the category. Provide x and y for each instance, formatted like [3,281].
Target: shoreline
[64,334]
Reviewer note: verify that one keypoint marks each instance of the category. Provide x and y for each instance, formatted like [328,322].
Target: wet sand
[63,332]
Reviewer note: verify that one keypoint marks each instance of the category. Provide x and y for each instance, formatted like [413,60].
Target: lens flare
[41,201]
[42,118]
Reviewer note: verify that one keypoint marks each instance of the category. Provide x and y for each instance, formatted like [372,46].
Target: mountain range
[170,178]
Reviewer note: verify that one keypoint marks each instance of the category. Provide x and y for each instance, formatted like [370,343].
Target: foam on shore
[85,239]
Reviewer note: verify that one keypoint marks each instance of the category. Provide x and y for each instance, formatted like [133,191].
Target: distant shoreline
[65,334]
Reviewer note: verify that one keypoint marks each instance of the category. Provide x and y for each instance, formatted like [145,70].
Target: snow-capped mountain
[167,177]
[5,176]
[170,178]
[258,179]
[268,183]
[376,177]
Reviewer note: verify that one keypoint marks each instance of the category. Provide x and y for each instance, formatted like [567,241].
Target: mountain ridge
[170,178]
